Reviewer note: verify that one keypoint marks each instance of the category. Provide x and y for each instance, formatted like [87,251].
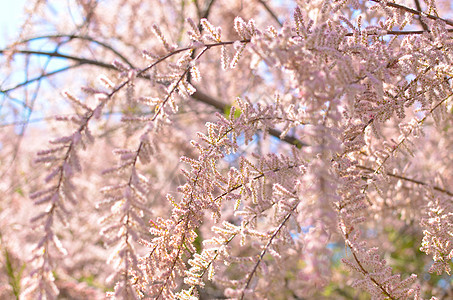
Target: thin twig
[413,11]
[269,242]
[80,37]
[65,56]
[396,32]
[269,10]
[419,8]
[42,76]
[439,189]
[208,9]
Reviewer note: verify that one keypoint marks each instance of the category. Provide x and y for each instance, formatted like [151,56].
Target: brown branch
[269,10]
[413,11]
[419,8]
[208,9]
[397,32]
[439,189]
[80,37]
[42,76]
[367,274]
[65,56]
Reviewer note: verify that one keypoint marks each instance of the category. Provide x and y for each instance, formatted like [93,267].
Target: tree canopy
[228,149]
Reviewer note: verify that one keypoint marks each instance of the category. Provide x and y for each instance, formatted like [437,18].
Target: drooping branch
[269,243]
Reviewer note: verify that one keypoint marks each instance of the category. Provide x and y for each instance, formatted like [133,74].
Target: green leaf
[227,111]
[198,241]
[14,277]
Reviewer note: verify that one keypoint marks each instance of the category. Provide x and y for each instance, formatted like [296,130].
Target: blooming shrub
[239,149]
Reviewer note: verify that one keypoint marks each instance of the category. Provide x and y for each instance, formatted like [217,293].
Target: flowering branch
[277,230]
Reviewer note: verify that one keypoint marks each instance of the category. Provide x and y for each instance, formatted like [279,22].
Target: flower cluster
[229,152]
